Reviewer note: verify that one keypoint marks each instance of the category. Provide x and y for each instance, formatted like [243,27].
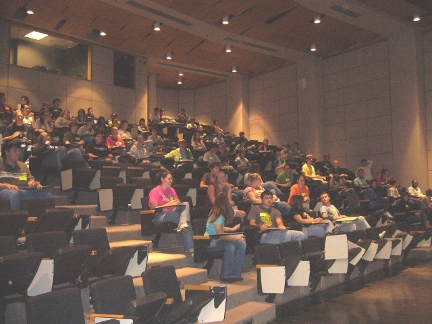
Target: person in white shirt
[366,165]
[414,191]
[138,149]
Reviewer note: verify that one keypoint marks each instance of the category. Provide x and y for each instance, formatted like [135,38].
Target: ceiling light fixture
[225,20]
[228,48]
[313,48]
[179,81]
[317,19]
[36,35]
[169,55]
[416,18]
[234,69]
[102,33]
[180,73]
[29,11]
[157,26]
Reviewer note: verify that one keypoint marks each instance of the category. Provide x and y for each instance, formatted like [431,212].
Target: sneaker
[183,227]
[190,251]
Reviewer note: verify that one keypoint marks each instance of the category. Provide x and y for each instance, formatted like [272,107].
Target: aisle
[401,298]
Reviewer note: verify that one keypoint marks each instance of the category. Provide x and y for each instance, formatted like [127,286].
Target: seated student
[209,177]
[86,131]
[279,163]
[72,139]
[162,115]
[366,165]
[100,126]
[254,190]
[23,102]
[56,111]
[242,163]
[405,205]
[326,164]
[234,245]
[154,137]
[300,189]
[90,114]
[426,204]
[328,211]
[218,139]
[216,126]
[182,153]
[139,151]
[97,148]
[182,116]
[81,117]
[315,226]
[284,179]
[219,185]
[287,154]
[308,170]
[197,143]
[383,178]
[44,123]
[29,118]
[115,143]
[53,156]
[298,154]
[11,190]
[165,196]
[268,185]
[123,132]
[64,120]
[211,156]
[335,168]
[17,129]
[114,121]
[338,184]
[155,118]
[375,201]
[142,128]
[360,182]
[265,216]
[392,190]
[414,191]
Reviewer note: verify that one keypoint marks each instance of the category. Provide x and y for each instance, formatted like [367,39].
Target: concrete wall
[428,95]
[99,93]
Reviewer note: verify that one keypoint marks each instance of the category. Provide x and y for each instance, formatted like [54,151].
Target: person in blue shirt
[234,246]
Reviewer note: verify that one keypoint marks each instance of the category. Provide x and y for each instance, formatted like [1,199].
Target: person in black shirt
[55,110]
[97,148]
[405,205]
[72,139]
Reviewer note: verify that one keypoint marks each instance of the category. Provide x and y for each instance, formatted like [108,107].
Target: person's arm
[262,227]
[280,224]
[203,181]
[170,155]
[211,193]
[229,196]
[253,199]
[8,186]
[307,221]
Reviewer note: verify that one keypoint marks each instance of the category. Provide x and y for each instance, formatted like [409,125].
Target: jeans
[276,237]
[319,230]
[232,264]
[54,159]
[359,223]
[282,206]
[269,185]
[179,215]
[15,196]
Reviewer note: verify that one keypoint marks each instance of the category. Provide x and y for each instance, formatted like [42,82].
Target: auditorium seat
[8,245]
[133,172]
[110,171]
[122,196]
[13,222]
[117,296]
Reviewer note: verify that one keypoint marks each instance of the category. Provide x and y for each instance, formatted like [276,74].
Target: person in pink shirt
[115,143]
[165,196]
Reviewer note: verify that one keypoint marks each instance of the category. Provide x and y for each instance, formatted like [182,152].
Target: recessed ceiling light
[179,81]
[313,48]
[317,19]
[180,73]
[416,18]
[30,12]
[169,55]
[234,69]
[225,20]
[228,48]
[157,26]
[36,35]
[102,33]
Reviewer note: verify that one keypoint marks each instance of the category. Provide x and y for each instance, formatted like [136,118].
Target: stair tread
[249,311]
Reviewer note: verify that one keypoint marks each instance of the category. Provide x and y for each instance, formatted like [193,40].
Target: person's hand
[81,142]
[174,202]
[10,186]
[31,114]
[275,198]
[318,220]
[263,228]
[16,134]
[306,199]
[282,227]
[235,228]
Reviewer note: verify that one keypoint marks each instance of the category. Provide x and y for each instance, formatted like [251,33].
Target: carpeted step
[238,293]
[124,232]
[422,253]
[98,221]
[131,243]
[251,312]
[61,200]
[157,258]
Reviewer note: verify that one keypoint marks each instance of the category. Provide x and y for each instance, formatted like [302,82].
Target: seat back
[291,255]
[110,171]
[54,219]
[59,306]
[68,164]
[99,164]
[146,308]
[12,222]
[167,164]
[187,199]
[312,245]
[17,272]
[199,226]
[140,182]
[97,238]
[4,204]
[122,194]
[8,245]
[188,311]
[178,174]
[162,279]
[112,295]
[144,203]
[198,173]
[69,263]
[46,243]
[133,172]
[82,177]
[267,254]
[36,206]
[192,183]
[110,182]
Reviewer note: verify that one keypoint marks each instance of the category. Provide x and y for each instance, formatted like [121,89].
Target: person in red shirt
[115,142]
[300,189]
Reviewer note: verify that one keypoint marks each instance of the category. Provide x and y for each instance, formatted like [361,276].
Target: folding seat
[72,164]
[55,219]
[167,164]
[99,164]
[181,189]
[232,177]
[59,306]
[313,251]
[196,212]
[133,172]
[377,233]
[244,205]
[336,253]
[384,246]
[199,172]
[202,165]
[140,182]
[109,183]
[4,204]
[202,304]
[13,222]
[201,243]
[116,296]
[8,245]
[36,206]
[17,272]
[104,260]
[110,171]
[77,179]
[68,261]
